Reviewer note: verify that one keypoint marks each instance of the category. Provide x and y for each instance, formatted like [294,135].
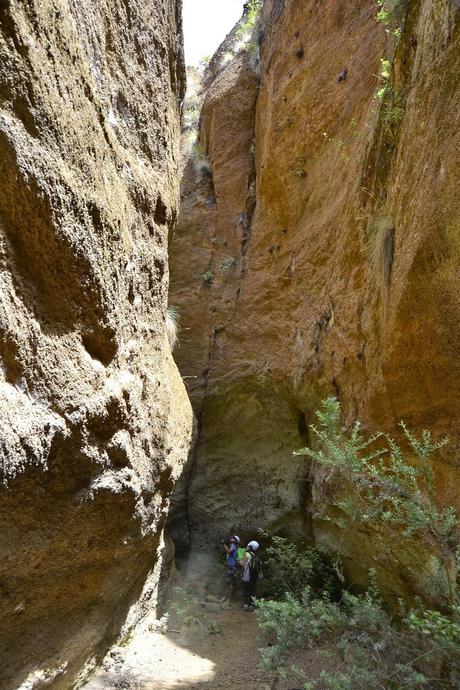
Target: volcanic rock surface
[317,254]
[95,421]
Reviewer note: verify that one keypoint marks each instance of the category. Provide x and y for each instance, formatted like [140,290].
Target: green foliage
[184,607]
[207,277]
[439,636]
[434,624]
[291,568]
[382,483]
[394,491]
[392,15]
[368,650]
[228,264]
[248,25]
[392,101]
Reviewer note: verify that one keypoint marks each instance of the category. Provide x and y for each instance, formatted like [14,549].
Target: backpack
[255,567]
[240,554]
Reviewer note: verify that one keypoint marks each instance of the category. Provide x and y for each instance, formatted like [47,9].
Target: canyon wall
[95,421]
[316,255]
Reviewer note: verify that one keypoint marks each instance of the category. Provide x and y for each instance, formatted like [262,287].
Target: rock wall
[344,235]
[95,422]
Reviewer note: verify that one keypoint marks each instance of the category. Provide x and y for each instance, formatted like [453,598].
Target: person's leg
[233,584]
[252,591]
[246,594]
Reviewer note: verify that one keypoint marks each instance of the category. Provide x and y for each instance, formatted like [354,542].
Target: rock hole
[161,212]
[101,345]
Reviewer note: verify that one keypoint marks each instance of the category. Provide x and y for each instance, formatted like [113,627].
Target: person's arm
[227,548]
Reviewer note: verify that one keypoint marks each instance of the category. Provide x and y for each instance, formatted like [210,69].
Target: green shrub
[291,568]
[391,15]
[207,277]
[367,648]
[393,489]
[249,24]
[383,486]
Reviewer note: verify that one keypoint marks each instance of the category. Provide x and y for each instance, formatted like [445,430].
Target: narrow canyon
[191,261]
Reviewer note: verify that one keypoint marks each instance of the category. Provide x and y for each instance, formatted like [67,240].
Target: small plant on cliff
[385,73]
[299,168]
[207,277]
[391,15]
[172,326]
[384,487]
[228,264]
[250,20]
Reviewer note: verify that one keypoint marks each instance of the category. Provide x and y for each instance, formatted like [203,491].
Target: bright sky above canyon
[206,23]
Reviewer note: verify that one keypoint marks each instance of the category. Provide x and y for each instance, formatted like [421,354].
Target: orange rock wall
[346,280]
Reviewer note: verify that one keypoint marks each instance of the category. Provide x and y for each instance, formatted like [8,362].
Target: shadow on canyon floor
[225,660]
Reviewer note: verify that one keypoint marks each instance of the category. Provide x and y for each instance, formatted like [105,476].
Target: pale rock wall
[95,422]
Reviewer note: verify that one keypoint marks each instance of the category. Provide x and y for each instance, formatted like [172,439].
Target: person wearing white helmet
[252,573]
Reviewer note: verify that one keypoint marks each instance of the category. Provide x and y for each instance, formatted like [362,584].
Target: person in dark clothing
[252,573]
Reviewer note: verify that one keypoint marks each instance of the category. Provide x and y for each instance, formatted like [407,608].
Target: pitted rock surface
[95,421]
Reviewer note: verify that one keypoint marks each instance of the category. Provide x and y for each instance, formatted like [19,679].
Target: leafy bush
[369,650]
[248,25]
[391,15]
[382,486]
[291,568]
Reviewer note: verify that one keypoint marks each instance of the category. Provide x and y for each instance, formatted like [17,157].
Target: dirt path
[191,658]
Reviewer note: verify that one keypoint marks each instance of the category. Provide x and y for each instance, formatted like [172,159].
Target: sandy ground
[192,659]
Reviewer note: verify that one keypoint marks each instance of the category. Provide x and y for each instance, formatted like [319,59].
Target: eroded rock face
[95,421]
[345,280]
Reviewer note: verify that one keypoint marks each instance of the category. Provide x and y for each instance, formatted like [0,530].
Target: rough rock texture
[95,422]
[345,279]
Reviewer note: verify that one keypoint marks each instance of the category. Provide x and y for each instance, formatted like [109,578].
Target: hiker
[252,572]
[231,550]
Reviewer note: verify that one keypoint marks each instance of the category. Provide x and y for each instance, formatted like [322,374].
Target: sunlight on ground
[206,23]
[153,661]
